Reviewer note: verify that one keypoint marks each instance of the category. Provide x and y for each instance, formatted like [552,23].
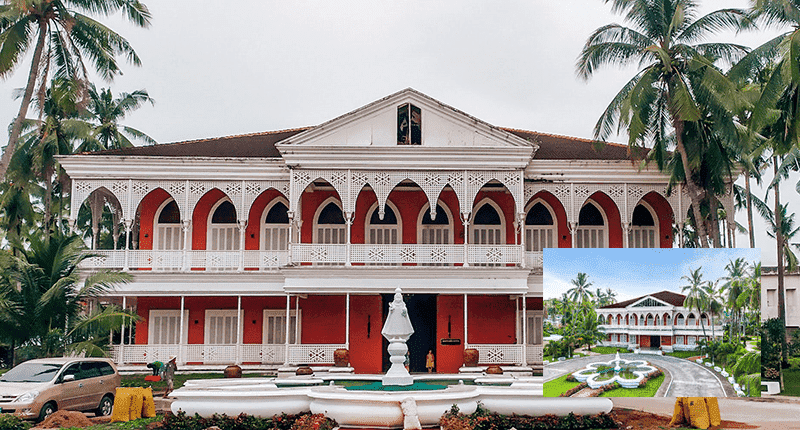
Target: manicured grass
[648,391]
[552,359]
[557,386]
[608,350]
[791,382]
[683,354]
[140,424]
[138,379]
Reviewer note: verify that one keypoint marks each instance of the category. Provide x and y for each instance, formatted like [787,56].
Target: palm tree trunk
[16,129]
[781,297]
[749,209]
[691,187]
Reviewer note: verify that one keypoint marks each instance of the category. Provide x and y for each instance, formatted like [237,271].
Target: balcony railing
[227,354]
[534,354]
[322,254]
[499,353]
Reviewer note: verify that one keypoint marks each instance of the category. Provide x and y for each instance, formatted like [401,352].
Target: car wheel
[106,406]
[47,410]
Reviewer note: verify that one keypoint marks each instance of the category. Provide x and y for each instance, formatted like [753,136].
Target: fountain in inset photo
[628,373]
[386,400]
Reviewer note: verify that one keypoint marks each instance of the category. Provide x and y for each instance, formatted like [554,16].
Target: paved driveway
[688,379]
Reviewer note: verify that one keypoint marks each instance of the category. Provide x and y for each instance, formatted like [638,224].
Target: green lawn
[557,386]
[791,382]
[683,354]
[647,391]
[551,359]
[608,350]
[180,378]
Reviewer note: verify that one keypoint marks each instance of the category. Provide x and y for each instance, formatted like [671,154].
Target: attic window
[409,125]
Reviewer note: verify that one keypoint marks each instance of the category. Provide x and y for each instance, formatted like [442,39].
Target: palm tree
[789,233]
[695,298]
[750,298]
[580,293]
[42,299]
[735,281]
[64,38]
[105,112]
[712,303]
[677,86]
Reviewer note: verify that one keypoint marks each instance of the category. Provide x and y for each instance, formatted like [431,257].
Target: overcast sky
[222,68]
[634,273]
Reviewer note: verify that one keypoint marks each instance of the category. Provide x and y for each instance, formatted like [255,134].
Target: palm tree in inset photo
[695,294]
[64,39]
[677,89]
[580,292]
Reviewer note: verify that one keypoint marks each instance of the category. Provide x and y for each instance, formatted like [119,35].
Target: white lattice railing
[499,353]
[534,259]
[407,253]
[534,354]
[494,254]
[144,353]
[214,260]
[174,260]
[105,259]
[264,354]
[312,354]
[265,259]
[209,354]
[319,253]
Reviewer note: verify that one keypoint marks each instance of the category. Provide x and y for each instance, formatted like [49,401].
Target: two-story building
[278,248]
[658,320]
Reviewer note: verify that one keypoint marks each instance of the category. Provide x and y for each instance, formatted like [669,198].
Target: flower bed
[573,390]
[306,421]
[483,419]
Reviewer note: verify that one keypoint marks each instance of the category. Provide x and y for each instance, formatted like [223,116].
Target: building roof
[674,299]
[262,145]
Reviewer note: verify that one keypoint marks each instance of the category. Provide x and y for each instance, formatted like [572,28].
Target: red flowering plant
[314,422]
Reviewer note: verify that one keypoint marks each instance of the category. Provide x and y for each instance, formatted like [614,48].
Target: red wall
[147,217]
[665,217]
[534,303]
[666,340]
[644,341]
[366,346]
[449,309]
[490,319]
[612,217]
[323,319]
[564,236]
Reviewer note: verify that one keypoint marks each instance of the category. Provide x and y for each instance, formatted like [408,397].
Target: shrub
[313,422]
[573,390]
[11,422]
[483,419]
[306,421]
[771,373]
[571,378]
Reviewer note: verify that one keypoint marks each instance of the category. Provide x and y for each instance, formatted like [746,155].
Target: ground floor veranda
[296,329]
[685,339]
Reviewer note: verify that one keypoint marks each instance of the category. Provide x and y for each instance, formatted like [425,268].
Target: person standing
[169,375]
[430,361]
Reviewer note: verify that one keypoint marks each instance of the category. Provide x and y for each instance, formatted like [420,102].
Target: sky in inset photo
[633,272]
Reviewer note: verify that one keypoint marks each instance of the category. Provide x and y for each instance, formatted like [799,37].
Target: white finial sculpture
[617,368]
[397,330]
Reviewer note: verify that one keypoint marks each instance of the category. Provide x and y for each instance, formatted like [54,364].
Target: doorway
[422,313]
[655,341]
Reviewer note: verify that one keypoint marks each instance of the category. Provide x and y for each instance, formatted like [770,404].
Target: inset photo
[652,322]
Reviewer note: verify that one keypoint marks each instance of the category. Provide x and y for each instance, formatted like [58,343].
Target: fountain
[395,400]
[627,373]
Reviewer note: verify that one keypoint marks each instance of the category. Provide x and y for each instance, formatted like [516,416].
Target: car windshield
[31,372]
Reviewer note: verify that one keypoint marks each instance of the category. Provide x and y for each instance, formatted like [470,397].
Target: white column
[186,228]
[180,335]
[525,330]
[466,344]
[297,320]
[288,316]
[239,330]
[521,228]
[121,358]
[348,220]
[242,231]
[626,233]
[465,222]
[128,225]
[573,232]
[290,214]
[347,323]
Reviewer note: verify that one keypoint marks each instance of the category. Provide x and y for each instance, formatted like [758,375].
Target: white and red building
[277,248]
[657,320]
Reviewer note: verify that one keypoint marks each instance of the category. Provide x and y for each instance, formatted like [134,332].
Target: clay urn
[494,370]
[341,357]
[304,370]
[471,357]
[233,371]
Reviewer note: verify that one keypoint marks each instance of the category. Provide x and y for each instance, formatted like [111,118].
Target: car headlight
[27,397]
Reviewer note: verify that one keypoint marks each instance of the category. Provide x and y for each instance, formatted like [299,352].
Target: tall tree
[580,291]
[678,85]
[64,38]
[734,283]
[695,294]
[105,112]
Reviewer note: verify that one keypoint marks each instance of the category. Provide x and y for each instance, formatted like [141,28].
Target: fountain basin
[264,402]
[599,374]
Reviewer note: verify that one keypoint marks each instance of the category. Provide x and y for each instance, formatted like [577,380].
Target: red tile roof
[674,299]
[262,145]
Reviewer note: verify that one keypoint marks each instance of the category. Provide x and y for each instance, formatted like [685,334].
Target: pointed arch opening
[592,229]
[223,231]
[274,231]
[167,231]
[488,224]
[329,225]
[388,230]
[644,227]
[437,231]
[541,230]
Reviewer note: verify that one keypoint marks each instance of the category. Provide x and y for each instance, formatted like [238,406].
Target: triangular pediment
[378,125]
[650,302]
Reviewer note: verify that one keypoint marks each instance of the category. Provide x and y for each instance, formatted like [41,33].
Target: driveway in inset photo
[684,378]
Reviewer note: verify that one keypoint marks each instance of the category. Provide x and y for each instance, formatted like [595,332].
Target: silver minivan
[37,388]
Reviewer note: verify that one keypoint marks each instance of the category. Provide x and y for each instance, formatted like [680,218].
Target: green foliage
[683,354]
[304,421]
[11,422]
[772,332]
[483,419]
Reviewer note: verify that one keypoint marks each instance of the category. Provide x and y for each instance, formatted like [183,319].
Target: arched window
[626,320]
[487,225]
[167,234]
[690,320]
[438,231]
[540,227]
[658,319]
[383,231]
[610,319]
[329,223]
[619,319]
[679,319]
[275,226]
[592,227]
[644,227]
[649,320]
[223,233]
[666,319]
[601,319]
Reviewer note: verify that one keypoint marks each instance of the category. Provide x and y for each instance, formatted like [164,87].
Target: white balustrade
[263,260]
[105,258]
[534,259]
[499,353]
[264,354]
[312,354]
[319,253]
[494,254]
[210,354]
[534,354]
[145,353]
[214,260]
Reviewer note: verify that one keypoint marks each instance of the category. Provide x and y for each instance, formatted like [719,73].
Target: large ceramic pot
[471,357]
[341,357]
[233,371]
